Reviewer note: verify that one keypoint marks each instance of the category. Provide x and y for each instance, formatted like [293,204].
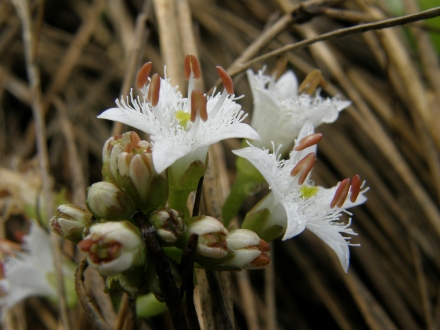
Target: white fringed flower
[295,206]
[30,273]
[280,110]
[174,136]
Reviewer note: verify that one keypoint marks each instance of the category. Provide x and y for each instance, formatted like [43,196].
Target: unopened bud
[107,201]
[69,222]
[250,251]
[113,147]
[168,224]
[212,236]
[114,247]
[138,178]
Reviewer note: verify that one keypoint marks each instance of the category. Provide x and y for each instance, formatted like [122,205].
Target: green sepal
[256,221]
[180,188]
[148,306]
[173,252]
[272,233]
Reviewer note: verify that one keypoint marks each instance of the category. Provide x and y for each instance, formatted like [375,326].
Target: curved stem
[89,306]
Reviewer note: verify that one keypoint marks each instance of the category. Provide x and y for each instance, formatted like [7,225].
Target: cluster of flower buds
[220,249]
[128,164]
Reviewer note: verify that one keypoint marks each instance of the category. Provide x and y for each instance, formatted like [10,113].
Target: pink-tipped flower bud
[250,251]
[69,222]
[168,224]
[114,247]
[107,201]
[212,236]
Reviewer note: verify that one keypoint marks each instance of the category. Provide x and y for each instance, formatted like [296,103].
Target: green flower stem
[177,199]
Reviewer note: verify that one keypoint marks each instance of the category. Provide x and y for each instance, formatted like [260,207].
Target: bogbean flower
[281,108]
[212,234]
[181,128]
[107,201]
[70,221]
[32,273]
[250,251]
[113,247]
[295,203]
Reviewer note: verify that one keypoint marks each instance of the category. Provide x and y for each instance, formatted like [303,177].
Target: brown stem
[89,306]
[166,278]
[220,308]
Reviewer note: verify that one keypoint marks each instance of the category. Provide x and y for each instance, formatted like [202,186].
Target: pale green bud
[107,201]
[69,222]
[212,236]
[114,247]
[168,224]
[250,251]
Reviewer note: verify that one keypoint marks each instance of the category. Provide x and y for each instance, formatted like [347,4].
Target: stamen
[154,90]
[142,77]
[226,78]
[198,104]
[308,141]
[341,193]
[280,66]
[85,245]
[264,247]
[304,166]
[311,82]
[355,188]
[191,64]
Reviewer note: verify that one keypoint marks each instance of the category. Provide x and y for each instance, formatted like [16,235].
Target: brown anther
[226,78]
[280,66]
[134,138]
[264,247]
[304,166]
[85,245]
[191,64]
[355,188]
[198,104]
[154,90]
[142,77]
[308,141]
[341,193]
[261,261]
[311,82]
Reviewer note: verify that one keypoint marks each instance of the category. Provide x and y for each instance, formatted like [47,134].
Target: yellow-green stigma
[182,117]
[308,192]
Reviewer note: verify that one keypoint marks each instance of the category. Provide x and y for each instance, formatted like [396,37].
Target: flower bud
[107,201]
[111,151]
[69,222]
[137,176]
[250,251]
[168,224]
[212,236]
[114,247]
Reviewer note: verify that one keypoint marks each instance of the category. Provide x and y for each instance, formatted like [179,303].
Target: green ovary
[182,117]
[308,192]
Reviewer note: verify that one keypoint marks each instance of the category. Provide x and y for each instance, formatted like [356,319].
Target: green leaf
[148,306]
